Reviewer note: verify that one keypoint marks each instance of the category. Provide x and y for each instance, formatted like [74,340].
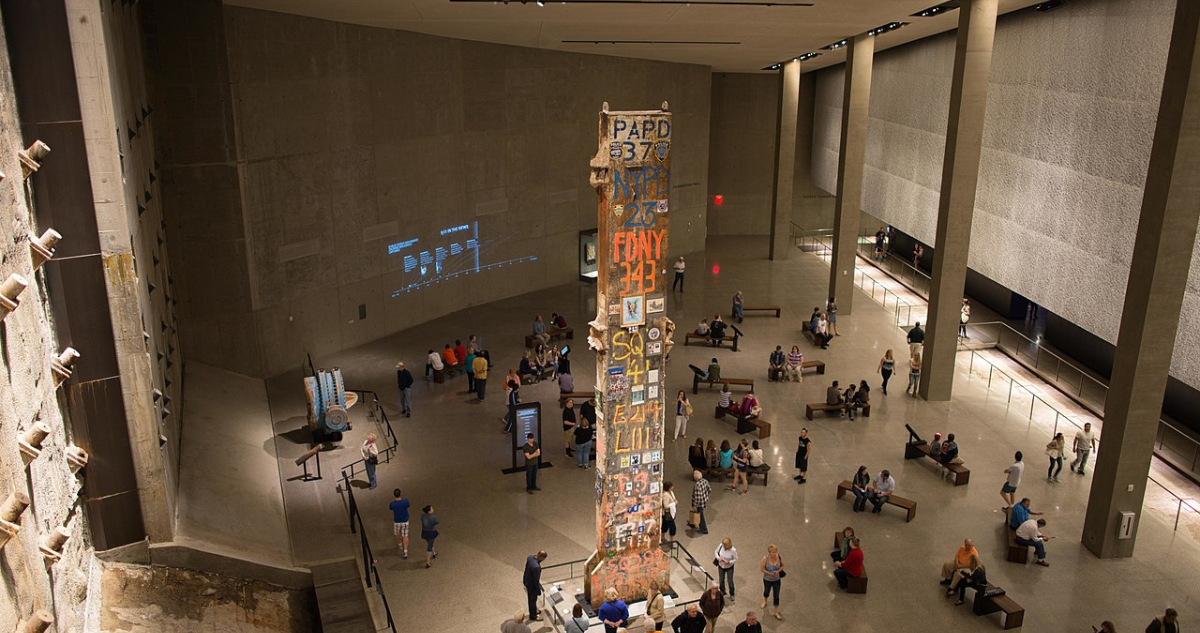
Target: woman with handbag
[725,558]
[1054,450]
[654,606]
[370,455]
[670,505]
[773,573]
[975,577]
[429,533]
[683,412]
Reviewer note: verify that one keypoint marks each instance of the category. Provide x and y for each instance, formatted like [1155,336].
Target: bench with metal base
[907,505]
[916,450]
[692,336]
[811,408]
[746,425]
[745,382]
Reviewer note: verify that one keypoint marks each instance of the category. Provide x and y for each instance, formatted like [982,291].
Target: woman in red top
[851,567]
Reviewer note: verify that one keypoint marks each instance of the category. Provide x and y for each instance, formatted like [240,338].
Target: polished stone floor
[451,454]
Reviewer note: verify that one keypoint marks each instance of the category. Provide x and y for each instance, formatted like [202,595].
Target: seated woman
[711,457]
[848,401]
[840,554]
[750,407]
[858,485]
[725,400]
[702,329]
[795,362]
[726,455]
[976,578]
[863,397]
[696,455]
[756,455]
[529,368]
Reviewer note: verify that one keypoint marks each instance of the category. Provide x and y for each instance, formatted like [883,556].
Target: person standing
[1054,450]
[690,620]
[679,268]
[469,366]
[914,373]
[882,489]
[803,450]
[738,306]
[669,505]
[751,624]
[683,412]
[654,606]
[569,423]
[514,399]
[916,338]
[614,613]
[370,455]
[429,534]
[831,309]
[533,582]
[583,443]
[886,365]
[404,382]
[773,573]
[963,317]
[852,567]
[712,603]
[399,507]
[1008,491]
[726,557]
[576,623]
[1165,623]
[700,493]
[473,344]
[533,454]
[587,411]
[879,235]
[481,373]
[1085,443]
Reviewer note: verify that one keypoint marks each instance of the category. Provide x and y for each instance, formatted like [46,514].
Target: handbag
[373,460]
[694,518]
[687,408]
[782,574]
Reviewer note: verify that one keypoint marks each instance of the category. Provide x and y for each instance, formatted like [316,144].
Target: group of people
[715,331]
[542,333]
[823,325]
[741,459]
[854,397]
[429,523]
[787,366]
[472,358]
[877,491]
[579,432]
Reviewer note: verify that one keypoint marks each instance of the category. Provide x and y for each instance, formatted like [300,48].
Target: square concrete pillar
[856,103]
[785,160]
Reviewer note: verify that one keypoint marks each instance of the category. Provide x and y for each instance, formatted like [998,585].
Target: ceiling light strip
[693,3]
[699,43]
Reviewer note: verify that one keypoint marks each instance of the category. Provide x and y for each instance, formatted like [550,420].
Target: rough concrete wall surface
[1070,121]
[140,599]
[741,164]
[28,396]
[351,142]
[109,71]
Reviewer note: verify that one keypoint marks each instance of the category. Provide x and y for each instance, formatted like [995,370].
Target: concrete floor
[452,452]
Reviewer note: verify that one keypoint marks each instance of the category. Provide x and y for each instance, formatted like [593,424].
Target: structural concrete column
[856,101]
[956,206]
[1158,275]
[785,159]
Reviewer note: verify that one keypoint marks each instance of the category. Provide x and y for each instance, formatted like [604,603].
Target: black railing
[371,572]
[375,412]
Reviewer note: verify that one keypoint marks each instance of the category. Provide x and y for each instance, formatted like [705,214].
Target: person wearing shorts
[399,508]
[1009,490]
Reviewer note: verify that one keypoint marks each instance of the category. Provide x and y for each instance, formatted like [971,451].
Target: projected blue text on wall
[445,254]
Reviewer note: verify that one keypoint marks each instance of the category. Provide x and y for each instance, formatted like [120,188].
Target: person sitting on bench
[852,566]
[756,455]
[714,371]
[738,305]
[974,577]
[1020,513]
[822,331]
[1029,536]
[795,363]
[833,395]
[849,400]
[433,364]
[725,400]
[749,408]
[812,321]
[935,447]
[950,452]
[529,368]
[962,560]
[558,323]
[566,384]
[448,356]
[702,329]
[539,330]
[881,490]
[775,368]
[716,330]
[863,395]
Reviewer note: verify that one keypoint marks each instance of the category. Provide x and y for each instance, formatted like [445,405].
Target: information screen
[445,254]
[529,420]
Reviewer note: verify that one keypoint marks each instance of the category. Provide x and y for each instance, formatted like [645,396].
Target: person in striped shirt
[794,362]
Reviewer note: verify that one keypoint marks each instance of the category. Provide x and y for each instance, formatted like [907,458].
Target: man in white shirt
[679,266]
[1029,536]
[1009,490]
[433,363]
[883,487]
[1085,443]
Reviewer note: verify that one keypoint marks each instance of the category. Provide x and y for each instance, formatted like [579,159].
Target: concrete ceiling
[758,36]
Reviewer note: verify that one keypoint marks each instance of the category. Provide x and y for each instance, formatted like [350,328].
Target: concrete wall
[28,395]
[741,163]
[346,139]
[1070,120]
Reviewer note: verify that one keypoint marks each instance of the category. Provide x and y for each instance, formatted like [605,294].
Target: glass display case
[588,245]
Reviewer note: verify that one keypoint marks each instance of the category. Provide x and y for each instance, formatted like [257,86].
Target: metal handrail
[376,413]
[371,570]
[1179,500]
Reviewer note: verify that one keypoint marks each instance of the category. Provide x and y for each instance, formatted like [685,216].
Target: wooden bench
[818,365]
[439,376]
[1017,553]
[746,309]
[857,585]
[582,396]
[722,473]
[746,425]
[1014,614]
[567,333]
[696,380]
[908,505]
[811,408]
[916,450]
[692,336]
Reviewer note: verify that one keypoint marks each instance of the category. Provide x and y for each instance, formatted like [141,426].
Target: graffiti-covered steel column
[632,337]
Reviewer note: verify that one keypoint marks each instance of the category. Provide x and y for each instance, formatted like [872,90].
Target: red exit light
[718,200]
[716,269]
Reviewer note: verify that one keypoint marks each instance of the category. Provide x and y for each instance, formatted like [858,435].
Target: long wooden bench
[578,395]
[813,407]
[745,309]
[1017,553]
[818,365]
[746,425]
[1014,614]
[745,382]
[722,473]
[692,336]
[916,450]
[907,505]
[565,333]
